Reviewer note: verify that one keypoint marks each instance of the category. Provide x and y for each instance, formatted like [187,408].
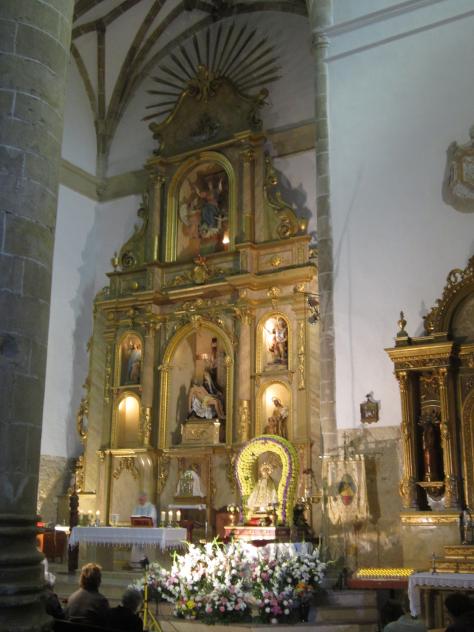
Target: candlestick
[163,517]
[170,516]
[178,516]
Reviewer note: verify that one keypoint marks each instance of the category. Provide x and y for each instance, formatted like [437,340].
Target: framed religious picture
[130,359]
[203,211]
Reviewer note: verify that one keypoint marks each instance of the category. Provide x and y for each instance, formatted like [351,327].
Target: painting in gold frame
[203,211]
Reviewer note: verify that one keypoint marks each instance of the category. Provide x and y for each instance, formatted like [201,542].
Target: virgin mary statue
[264,493]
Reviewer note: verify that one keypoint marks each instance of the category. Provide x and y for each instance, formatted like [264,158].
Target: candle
[170,516]
[97,513]
[178,516]
[163,517]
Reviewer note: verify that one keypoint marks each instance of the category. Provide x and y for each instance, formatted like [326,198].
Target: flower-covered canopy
[245,472]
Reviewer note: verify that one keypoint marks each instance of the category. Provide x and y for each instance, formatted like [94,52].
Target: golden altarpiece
[201,340]
[436,379]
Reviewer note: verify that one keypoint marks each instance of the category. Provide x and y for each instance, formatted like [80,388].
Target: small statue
[431,452]
[202,404]
[279,341]
[277,423]
[264,493]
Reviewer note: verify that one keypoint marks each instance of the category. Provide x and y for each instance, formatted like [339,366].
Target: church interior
[237,264]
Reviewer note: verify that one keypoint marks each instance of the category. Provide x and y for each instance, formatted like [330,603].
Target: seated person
[403,622]
[50,599]
[461,612]
[203,404]
[125,617]
[88,605]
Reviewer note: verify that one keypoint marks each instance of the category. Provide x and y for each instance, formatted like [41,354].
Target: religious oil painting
[275,343]
[203,211]
[130,360]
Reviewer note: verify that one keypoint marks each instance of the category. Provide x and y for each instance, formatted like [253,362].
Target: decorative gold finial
[401,327]
[115,261]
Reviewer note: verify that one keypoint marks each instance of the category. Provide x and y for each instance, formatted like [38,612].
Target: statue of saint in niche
[131,361]
[276,333]
[203,211]
[203,404]
[277,423]
[431,448]
[264,494]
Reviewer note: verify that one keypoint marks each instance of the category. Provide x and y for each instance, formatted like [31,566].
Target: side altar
[204,337]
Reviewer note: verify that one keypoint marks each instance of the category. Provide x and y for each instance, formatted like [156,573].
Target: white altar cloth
[163,537]
[454,581]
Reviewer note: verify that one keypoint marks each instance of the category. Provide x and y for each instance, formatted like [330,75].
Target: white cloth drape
[455,581]
[163,537]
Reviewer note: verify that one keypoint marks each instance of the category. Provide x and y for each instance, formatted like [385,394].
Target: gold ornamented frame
[259,416]
[118,356]
[173,199]
[260,368]
[166,369]
[115,430]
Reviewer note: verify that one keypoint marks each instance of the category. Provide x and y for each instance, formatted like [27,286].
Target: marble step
[348,598]
[333,615]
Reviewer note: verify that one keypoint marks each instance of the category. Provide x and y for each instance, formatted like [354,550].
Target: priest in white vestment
[144,508]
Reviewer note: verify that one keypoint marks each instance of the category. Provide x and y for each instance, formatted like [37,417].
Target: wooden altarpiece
[436,379]
[209,292]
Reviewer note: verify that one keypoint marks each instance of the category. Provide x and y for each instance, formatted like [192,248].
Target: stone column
[320,12]
[34,41]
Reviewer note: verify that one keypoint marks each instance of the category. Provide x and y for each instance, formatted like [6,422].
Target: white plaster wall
[396,105]
[291,99]
[86,236]
[297,175]
[79,142]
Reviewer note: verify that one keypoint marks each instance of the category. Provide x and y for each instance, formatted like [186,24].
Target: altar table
[106,538]
[163,537]
[431,584]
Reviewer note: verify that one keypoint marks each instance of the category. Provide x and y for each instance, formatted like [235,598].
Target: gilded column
[408,487]
[147,382]
[248,193]
[448,443]
[35,43]
[244,361]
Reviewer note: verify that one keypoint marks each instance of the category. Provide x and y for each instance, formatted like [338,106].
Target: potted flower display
[218,583]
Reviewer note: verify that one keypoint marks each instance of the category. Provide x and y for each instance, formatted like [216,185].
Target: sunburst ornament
[236,54]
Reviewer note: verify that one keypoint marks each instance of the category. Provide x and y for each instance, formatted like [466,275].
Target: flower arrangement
[222,583]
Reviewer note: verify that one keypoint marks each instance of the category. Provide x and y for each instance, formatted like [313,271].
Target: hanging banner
[346,488]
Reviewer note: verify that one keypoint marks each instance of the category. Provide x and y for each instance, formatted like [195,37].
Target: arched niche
[126,422]
[274,342]
[268,408]
[201,205]
[187,357]
[246,472]
[128,360]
